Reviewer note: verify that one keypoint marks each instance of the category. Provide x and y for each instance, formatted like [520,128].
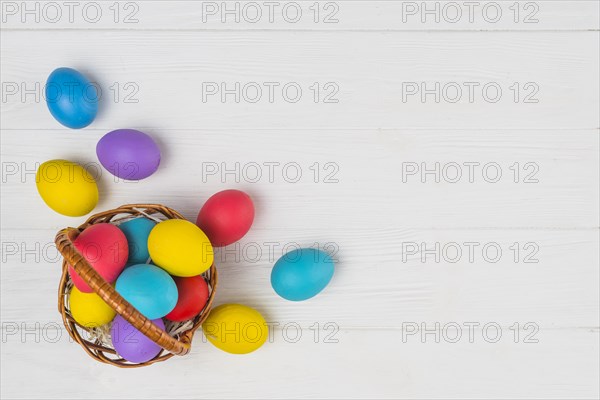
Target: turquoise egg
[71,98]
[137,231]
[302,274]
[149,289]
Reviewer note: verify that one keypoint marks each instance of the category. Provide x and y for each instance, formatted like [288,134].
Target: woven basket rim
[180,344]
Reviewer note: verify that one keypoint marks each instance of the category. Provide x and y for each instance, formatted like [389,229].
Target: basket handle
[64,243]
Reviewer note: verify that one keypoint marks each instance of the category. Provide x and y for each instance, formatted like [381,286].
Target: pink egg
[226,217]
[104,246]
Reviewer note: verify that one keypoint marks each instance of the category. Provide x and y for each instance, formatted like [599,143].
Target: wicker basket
[97,344]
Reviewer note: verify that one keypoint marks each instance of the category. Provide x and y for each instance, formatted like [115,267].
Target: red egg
[193,295]
[104,246]
[226,217]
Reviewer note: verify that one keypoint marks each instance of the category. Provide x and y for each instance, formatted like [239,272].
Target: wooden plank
[366,192]
[384,277]
[362,364]
[302,15]
[179,80]
[353,180]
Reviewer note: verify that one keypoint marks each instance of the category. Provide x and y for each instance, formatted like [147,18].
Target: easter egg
[89,310]
[137,231]
[128,154]
[180,248]
[149,289]
[71,98]
[236,328]
[302,274]
[132,344]
[104,247]
[66,187]
[226,217]
[193,295]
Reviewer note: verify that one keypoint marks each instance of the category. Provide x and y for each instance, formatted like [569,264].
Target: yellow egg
[180,248]
[236,328]
[89,309]
[66,187]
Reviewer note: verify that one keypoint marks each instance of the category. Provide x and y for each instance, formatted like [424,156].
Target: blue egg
[137,231]
[71,98]
[302,274]
[149,289]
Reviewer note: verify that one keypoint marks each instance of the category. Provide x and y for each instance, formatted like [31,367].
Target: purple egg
[132,344]
[128,154]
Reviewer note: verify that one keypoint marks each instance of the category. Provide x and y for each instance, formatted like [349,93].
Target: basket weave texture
[93,341]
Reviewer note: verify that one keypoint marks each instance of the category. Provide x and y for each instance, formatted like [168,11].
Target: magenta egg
[226,217]
[104,246]
[128,154]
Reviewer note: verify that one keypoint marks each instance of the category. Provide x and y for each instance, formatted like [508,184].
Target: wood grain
[363,187]
[171,75]
[552,280]
[359,15]
[355,197]
[363,364]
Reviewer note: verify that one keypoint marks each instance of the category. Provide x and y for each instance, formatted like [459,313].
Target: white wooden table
[451,165]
